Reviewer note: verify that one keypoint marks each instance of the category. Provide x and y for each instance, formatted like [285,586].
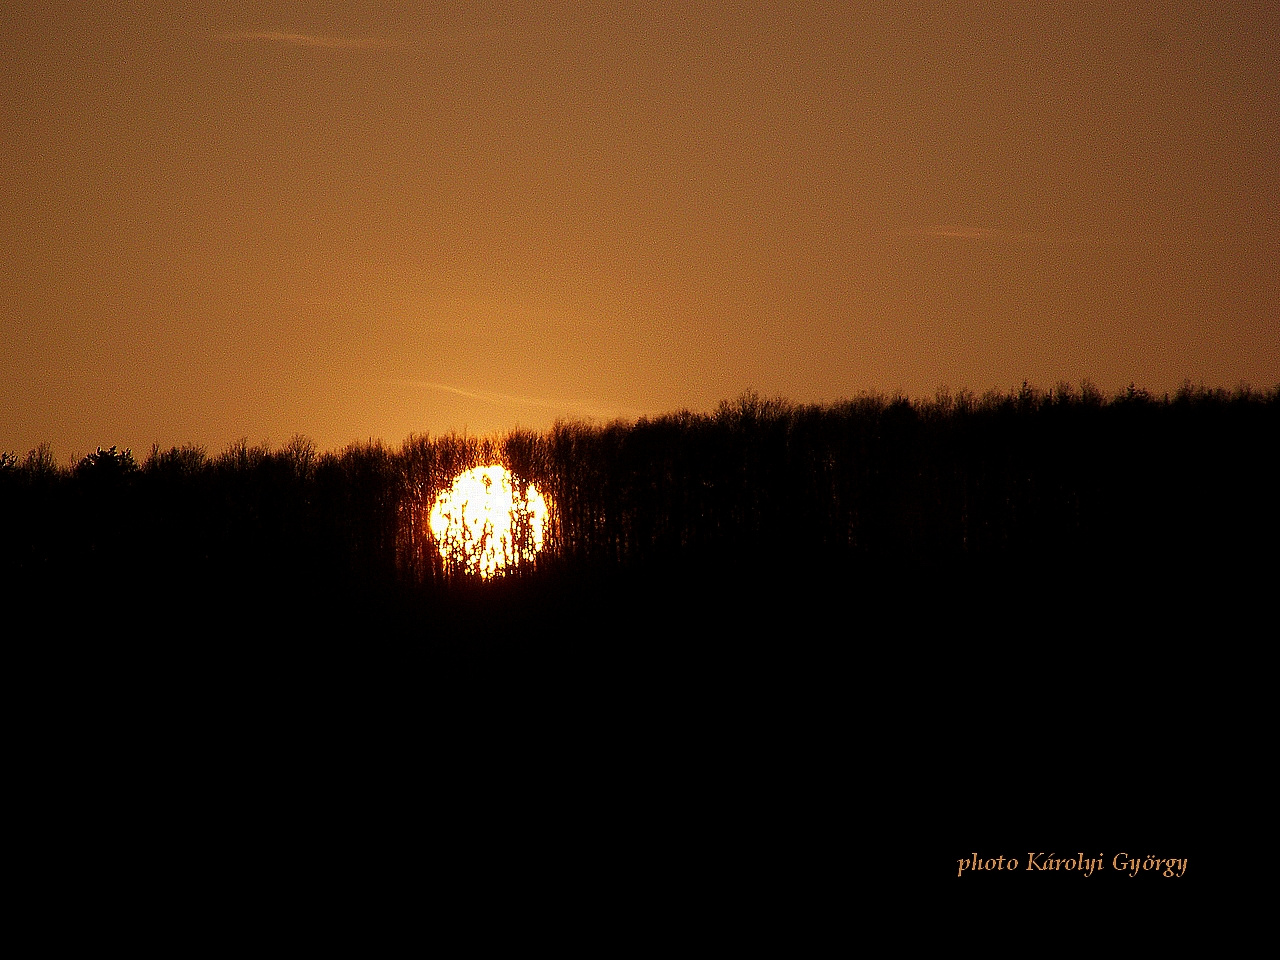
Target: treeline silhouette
[759,491]
[965,622]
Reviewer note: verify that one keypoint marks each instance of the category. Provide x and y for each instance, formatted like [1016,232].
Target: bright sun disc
[486,522]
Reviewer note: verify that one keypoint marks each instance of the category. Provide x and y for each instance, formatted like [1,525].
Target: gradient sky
[355,220]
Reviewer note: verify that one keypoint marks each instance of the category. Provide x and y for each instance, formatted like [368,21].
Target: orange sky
[355,220]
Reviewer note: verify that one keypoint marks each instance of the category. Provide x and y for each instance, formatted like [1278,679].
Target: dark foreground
[660,741]
[785,658]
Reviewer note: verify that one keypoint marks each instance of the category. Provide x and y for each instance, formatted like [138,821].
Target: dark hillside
[968,618]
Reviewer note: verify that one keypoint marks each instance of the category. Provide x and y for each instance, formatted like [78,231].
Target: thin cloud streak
[311,40]
[587,409]
[974,234]
[960,232]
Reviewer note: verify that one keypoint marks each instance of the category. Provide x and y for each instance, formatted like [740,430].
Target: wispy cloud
[583,408]
[960,233]
[966,232]
[311,40]
[1099,236]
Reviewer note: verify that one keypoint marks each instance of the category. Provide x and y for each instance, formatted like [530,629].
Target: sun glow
[487,522]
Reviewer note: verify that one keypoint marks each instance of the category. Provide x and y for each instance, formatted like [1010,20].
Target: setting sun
[487,521]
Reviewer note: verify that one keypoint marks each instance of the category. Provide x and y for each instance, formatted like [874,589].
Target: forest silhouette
[977,615]
[759,497]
